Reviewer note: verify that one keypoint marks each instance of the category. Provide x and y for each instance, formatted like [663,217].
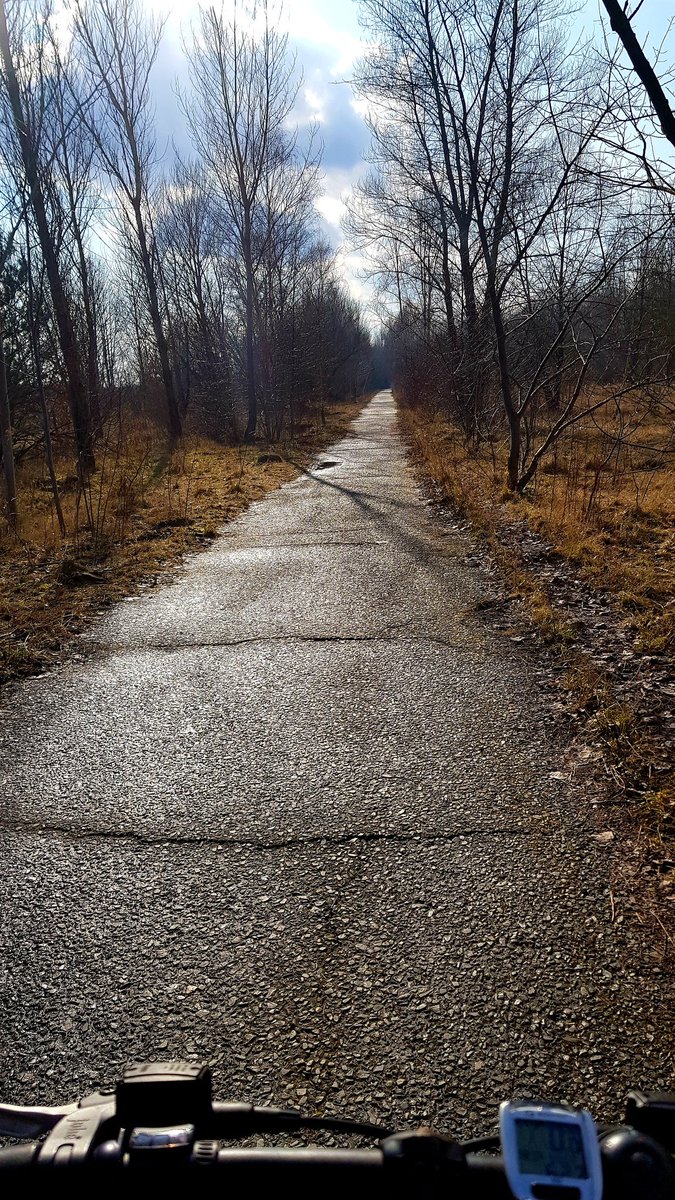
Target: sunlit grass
[611,517]
[144,509]
[615,522]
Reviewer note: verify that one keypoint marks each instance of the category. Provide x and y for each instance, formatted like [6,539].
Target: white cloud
[326,24]
[314,103]
[332,209]
[352,267]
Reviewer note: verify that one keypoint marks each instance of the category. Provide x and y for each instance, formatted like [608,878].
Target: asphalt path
[302,812]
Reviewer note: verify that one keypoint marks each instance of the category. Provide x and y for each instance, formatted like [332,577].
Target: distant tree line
[522,245]
[192,290]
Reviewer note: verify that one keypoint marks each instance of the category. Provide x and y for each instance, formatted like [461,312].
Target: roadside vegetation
[606,504]
[175,339]
[612,526]
[150,509]
[518,218]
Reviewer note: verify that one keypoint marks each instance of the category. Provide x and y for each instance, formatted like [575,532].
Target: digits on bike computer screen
[550,1148]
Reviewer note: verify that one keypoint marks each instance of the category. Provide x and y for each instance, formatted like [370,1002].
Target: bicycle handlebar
[160,1127]
[306,1172]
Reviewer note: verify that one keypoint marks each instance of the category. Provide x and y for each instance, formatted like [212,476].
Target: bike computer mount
[551,1151]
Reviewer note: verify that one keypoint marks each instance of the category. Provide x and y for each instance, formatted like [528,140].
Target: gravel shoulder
[306,814]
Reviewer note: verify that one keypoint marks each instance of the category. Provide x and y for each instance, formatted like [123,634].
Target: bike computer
[550,1151]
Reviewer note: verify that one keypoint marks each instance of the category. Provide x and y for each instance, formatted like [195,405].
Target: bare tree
[6,439]
[244,88]
[213,285]
[489,127]
[75,193]
[194,249]
[33,322]
[620,21]
[27,130]
[642,111]
[116,45]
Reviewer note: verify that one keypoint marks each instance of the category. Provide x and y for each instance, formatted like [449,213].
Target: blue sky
[327,39]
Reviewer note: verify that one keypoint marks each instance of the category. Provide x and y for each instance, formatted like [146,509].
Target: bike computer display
[550,1150]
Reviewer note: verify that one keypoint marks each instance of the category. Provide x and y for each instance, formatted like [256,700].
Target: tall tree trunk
[90,321]
[513,413]
[6,443]
[252,420]
[79,405]
[92,338]
[468,281]
[173,408]
[447,287]
[37,363]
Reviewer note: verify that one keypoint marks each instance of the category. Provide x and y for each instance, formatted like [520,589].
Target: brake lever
[28,1123]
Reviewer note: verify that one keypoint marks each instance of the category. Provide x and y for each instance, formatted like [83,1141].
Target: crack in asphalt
[67,833]
[318,535]
[313,545]
[289,638]
[440,903]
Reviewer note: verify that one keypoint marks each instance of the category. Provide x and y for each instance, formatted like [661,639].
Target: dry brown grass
[147,509]
[609,510]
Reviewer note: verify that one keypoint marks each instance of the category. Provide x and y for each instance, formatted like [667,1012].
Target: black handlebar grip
[303,1173]
[17,1158]
[635,1166]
